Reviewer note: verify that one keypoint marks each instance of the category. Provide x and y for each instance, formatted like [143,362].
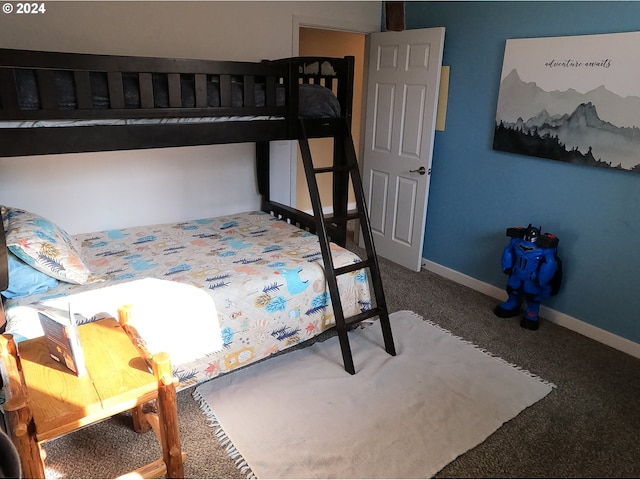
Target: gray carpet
[587,427]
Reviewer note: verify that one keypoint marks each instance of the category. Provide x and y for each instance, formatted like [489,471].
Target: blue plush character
[534,270]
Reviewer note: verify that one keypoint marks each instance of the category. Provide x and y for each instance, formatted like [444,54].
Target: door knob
[420,170]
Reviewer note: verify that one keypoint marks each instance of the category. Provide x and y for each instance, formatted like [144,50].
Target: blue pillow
[25,280]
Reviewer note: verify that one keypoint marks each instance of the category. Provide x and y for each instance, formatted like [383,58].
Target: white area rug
[300,415]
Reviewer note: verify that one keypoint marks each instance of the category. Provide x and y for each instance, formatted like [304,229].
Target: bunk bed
[66,103]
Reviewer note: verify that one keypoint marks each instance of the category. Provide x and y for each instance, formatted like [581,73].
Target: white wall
[94,191]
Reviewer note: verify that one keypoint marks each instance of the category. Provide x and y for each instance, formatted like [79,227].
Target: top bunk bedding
[142,102]
[216,293]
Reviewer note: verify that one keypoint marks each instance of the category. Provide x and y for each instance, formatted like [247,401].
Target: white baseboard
[559,318]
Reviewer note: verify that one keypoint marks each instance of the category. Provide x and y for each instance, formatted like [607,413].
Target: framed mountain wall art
[572,99]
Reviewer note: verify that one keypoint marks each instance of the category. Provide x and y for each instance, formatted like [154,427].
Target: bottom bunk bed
[263,277]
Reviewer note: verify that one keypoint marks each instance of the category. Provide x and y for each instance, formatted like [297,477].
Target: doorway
[331,43]
[401,212]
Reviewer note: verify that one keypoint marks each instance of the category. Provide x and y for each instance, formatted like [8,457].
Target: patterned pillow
[43,245]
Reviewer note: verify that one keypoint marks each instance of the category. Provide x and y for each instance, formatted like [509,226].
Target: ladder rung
[352,267]
[374,312]
[348,216]
[339,168]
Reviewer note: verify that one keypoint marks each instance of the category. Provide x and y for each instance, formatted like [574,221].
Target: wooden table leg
[168,416]
[22,431]
[140,422]
[20,425]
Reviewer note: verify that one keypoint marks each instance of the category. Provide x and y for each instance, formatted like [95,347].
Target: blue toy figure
[534,270]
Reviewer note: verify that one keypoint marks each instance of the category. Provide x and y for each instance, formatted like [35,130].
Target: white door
[402,98]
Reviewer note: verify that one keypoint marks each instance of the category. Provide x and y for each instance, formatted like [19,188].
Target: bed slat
[225,90]
[249,91]
[146,90]
[83,89]
[328,82]
[8,90]
[175,97]
[47,90]
[270,94]
[201,91]
[116,89]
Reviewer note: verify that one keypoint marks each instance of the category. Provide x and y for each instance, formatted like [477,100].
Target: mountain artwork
[572,99]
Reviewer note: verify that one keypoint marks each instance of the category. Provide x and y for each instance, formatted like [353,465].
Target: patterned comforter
[263,278]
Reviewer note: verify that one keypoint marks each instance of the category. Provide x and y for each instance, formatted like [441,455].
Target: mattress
[134,121]
[216,293]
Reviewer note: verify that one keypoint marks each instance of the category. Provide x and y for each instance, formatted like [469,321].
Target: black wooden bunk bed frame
[148,125]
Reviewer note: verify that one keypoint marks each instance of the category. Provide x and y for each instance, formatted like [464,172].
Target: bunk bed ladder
[346,163]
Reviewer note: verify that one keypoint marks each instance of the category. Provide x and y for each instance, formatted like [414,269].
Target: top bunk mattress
[263,278]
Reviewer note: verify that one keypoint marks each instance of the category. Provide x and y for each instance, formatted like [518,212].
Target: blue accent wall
[476,192]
